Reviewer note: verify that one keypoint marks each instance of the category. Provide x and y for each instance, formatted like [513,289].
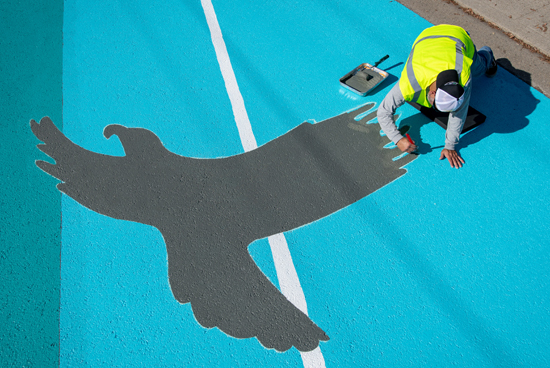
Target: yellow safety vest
[436,49]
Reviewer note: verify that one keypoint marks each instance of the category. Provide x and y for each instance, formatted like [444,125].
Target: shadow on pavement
[510,107]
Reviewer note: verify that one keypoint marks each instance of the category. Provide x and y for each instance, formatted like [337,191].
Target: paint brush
[411,141]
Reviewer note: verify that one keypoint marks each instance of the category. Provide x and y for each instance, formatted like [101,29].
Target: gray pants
[482,61]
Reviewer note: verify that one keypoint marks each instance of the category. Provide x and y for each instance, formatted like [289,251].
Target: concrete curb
[526,20]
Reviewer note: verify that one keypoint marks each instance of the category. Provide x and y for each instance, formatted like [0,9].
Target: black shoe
[492,71]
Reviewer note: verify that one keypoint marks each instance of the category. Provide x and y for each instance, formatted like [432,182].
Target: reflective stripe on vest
[409,84]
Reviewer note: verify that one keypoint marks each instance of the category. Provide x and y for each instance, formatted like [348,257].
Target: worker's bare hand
[405,146]
[454,158]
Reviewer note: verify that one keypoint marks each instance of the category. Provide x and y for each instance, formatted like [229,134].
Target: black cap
[453,89]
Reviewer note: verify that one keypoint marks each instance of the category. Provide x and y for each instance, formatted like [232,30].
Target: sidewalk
[528,20]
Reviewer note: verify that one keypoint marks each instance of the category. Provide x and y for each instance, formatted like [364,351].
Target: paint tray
[363,79]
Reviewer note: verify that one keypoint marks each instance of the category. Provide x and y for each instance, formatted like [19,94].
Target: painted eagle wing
[109,185]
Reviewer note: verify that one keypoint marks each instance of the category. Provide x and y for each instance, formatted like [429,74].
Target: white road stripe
[291,288]
[239,111]
[286,273]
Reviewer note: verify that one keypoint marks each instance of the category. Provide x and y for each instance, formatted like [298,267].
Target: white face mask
[445,102]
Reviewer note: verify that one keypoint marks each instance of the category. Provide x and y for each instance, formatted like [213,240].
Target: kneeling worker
[438,74]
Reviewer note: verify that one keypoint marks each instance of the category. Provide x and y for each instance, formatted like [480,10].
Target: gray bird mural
[209,210]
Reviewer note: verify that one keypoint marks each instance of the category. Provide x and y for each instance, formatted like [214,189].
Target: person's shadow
[506,109]
[506,103]
[412,125]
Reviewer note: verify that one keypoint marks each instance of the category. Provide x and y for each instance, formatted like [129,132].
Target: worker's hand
[454,158]
[405,146]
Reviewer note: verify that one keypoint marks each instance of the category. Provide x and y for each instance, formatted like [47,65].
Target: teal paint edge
[30,237]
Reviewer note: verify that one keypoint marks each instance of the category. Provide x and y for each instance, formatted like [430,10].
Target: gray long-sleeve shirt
[394,99]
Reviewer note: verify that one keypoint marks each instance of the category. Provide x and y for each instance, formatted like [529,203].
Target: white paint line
[291,288]
[313,359]
[286,273]
[237,103]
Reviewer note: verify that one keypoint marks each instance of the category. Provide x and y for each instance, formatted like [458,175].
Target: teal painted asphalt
[441,267]
[30,87]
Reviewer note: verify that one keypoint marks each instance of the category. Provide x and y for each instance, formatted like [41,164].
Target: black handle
[381,60]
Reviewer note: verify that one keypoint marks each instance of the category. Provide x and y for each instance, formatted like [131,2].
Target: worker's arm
[454,128]
[457,119]
[386,110]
